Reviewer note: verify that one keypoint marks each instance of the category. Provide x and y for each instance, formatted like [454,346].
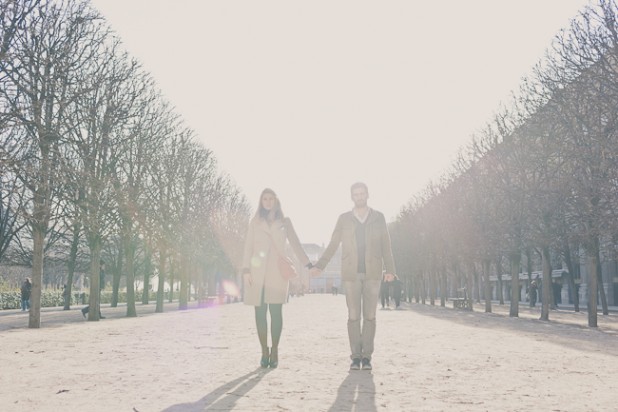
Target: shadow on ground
[357,392]
[224,397]
[564,328]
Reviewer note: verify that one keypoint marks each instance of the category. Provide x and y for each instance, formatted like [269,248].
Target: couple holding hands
[366,249]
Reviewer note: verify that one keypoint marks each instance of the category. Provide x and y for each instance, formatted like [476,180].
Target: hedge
[51,298]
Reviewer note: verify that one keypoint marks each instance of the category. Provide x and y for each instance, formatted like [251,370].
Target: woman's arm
[295,242]
[335,240]
[248,249]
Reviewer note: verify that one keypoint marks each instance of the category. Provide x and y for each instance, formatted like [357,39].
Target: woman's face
[268,201]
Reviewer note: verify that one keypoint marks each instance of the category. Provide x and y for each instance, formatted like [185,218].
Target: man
[366,248]
[532,293]
[26,290]
[396,285]
[385,290]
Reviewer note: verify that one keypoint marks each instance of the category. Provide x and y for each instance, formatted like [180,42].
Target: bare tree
[228,221]
[164,172]
[581,78]
[96,132]
[13,19]
[43,63]
[148,131]
[12,198]
[198,174]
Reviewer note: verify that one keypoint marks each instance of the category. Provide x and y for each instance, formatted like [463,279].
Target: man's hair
[358,185]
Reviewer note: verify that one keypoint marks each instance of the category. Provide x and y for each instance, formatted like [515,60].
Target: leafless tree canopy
[95,165]
[536,187]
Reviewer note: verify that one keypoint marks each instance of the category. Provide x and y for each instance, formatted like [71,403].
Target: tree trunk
[443,288]
[457,282]
[408,288]
[547,289]
[211,282]
[591,265]
[514,260]
[40,219]
[94,300]
[600,283]
[469,277]
[116,278]
[71,266]
[552,297]
[499,276]
[423,288]
[161,285]
[486,268]
[529,263]
[183,301]
[129,248]
[477,285]
[147,274]
[571,277]
[432,287]
[172,276]
[38,238]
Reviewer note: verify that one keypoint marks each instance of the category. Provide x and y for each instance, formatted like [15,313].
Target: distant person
[366,248]
[264,286]
[385,293]
[532,293]
[26,290]
[86,309]
[396,288]
[539,289]
[557,291]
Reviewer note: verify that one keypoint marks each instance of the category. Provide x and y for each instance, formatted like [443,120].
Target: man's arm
[387,252]
[335,240]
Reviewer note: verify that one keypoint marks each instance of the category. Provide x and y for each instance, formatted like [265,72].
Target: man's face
[359,197]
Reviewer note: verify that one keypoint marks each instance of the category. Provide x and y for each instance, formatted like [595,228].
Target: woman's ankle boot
[274,357]
[265,361]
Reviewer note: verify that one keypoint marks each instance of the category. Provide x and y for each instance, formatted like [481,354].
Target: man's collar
[361,219]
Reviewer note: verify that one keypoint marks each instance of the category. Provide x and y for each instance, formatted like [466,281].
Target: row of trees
[538,184]
[95,163]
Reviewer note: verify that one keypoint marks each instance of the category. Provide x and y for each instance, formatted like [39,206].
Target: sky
[309,97]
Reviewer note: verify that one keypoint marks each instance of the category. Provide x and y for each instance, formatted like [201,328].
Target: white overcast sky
[307,97]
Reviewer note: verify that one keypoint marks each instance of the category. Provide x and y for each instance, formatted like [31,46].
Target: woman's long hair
[269,215]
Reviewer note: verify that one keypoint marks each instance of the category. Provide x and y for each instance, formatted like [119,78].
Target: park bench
[207,301]
[461,301]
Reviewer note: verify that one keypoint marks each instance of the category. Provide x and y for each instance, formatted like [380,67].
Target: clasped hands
[315,271]
[389,277]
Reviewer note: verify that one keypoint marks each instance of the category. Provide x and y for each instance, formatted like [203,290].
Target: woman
[264,286]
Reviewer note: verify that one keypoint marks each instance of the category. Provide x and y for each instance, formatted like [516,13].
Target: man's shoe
[366,364]
[356,364]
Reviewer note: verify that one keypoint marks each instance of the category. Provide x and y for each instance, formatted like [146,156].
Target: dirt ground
[427,358]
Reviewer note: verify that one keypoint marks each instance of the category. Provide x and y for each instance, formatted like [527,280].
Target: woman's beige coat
[260,256]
